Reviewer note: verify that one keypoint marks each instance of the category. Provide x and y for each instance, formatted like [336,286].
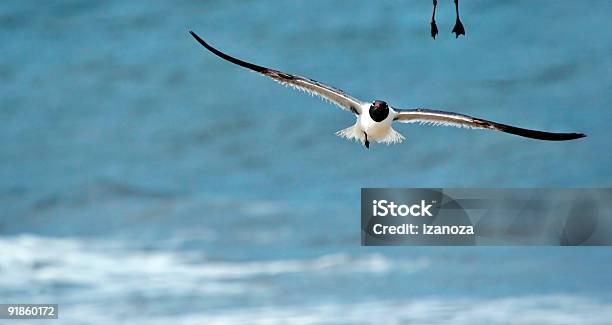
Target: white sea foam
[103,269]
[547,309]
[106,282]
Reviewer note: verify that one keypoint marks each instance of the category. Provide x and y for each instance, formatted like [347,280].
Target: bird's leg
[434,28]
[367,143]
[458,29]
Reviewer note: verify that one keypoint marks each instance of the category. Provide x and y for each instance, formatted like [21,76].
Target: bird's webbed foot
[458,29]
[434,27]
[366,142]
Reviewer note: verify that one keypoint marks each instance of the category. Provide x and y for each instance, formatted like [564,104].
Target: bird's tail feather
[354,133]
[392,137]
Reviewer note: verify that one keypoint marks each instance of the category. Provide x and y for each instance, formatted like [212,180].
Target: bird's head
[379,110]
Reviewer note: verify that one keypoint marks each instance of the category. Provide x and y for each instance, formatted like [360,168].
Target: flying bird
[374,120]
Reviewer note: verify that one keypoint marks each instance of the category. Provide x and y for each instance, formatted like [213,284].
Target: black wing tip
[201,41]
[227,57]
[198,38]
[540,135]
[567,136]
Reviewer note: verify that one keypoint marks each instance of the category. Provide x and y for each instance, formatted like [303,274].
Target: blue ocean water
[144,180]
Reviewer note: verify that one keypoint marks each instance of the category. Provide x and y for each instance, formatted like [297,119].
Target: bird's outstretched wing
[313,87]
[427,116]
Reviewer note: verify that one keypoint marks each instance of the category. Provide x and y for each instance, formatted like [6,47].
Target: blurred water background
[144,180]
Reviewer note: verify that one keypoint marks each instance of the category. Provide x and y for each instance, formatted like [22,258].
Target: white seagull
[376,123]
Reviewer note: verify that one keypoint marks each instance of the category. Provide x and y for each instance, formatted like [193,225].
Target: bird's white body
[377,131]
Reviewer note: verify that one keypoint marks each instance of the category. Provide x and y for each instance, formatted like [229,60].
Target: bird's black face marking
[379,111]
